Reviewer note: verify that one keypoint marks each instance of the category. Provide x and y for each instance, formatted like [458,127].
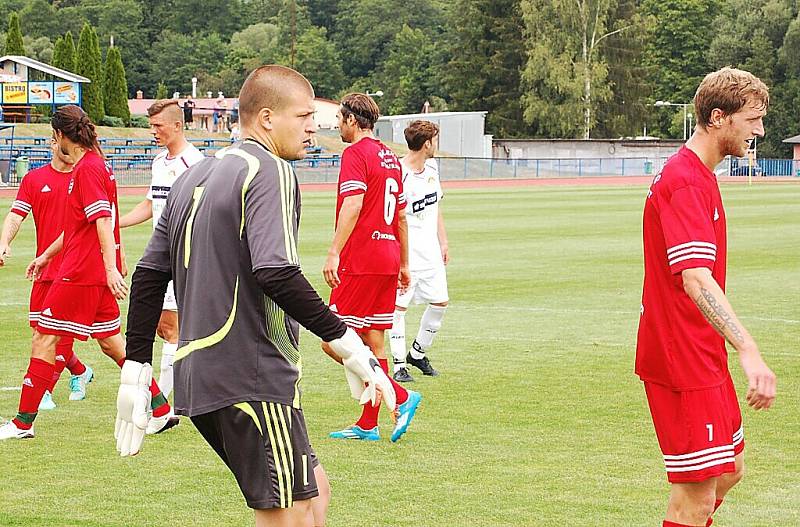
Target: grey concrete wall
[582,149]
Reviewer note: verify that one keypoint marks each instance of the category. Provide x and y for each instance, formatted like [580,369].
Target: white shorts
[427,287]
[170,304]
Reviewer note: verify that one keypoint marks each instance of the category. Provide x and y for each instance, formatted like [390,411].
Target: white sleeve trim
[352,185]
[98,206]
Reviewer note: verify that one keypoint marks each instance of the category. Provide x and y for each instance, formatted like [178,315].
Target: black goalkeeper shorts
[266,447]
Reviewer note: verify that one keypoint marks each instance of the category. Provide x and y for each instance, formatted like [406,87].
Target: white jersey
[165,171]
[423,192]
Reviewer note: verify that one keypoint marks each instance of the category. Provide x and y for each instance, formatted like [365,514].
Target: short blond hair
[168,106]
[269,86]
[730,90]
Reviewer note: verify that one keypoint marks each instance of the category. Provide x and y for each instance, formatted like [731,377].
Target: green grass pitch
[536,420]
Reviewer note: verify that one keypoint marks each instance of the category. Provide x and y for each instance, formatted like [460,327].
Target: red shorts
[365,301]
[38,294]
[699,431]
[79,311]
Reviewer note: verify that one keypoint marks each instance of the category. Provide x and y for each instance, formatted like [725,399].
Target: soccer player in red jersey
[43,193]
[82,302]
[685,315]
[369,250]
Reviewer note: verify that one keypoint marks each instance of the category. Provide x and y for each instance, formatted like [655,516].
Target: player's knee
[43,347]
[735,477]
[695,506]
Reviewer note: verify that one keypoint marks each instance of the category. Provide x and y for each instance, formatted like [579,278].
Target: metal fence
[131,170]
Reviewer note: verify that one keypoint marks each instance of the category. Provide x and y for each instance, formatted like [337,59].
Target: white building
[460,133]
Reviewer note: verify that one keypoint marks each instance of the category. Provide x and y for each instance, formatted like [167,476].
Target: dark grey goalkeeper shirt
[226,218]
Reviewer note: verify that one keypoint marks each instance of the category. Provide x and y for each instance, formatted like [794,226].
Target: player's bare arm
[34,270]
[404,278]
[124,270]
[713,304]
[348,215]
[10,229]
[442,234]
[140,214]
[116,283]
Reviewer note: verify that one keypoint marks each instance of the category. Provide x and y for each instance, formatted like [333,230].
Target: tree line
[540,68]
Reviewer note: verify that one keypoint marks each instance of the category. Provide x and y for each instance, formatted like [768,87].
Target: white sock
[397,340]
[165,378]
[428,327]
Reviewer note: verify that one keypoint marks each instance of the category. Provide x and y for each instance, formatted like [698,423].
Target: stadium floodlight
[685,105]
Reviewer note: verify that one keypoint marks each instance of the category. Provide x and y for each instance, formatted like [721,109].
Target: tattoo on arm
[718,316]
[13,229]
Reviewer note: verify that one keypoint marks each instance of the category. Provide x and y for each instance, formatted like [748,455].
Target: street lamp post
[685,105]
[378,93]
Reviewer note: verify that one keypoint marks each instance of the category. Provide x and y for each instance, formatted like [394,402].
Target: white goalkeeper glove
[133,407]
[364,375]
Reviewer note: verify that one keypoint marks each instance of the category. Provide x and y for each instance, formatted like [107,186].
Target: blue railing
[133,168]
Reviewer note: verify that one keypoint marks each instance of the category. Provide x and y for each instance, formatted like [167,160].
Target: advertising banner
[66,93]
[15,93]
[40,92]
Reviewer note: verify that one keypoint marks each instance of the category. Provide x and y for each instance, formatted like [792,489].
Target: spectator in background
[188,109]
[235,133]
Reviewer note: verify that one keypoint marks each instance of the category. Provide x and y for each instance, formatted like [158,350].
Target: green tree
[41,19]
[40,49]
[58,53]
[316,58]
[566,70]
[483,56]
[406,77]
[676,52]
[253,46]
[14,41]
[365,28]
[90,65]
[625,113]
[176,58]
[323,12]
[161,92]
[116,87]
[70,53]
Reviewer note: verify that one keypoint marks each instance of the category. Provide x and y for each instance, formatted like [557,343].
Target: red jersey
[684,228]
[369,167]
[43,192]
[92,195]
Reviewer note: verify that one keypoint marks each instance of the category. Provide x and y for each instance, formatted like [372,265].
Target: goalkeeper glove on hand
[133,407]
[363,372]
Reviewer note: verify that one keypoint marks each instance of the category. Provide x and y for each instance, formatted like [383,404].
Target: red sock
[400,392]
[64,355]
[716,506]
[35,383]
[158,402]
[673,524]
[74,365]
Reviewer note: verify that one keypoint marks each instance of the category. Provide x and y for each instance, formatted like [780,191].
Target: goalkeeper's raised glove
[133,407]
[364,375]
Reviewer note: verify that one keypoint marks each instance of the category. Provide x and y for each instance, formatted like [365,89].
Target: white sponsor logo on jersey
[45,189]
